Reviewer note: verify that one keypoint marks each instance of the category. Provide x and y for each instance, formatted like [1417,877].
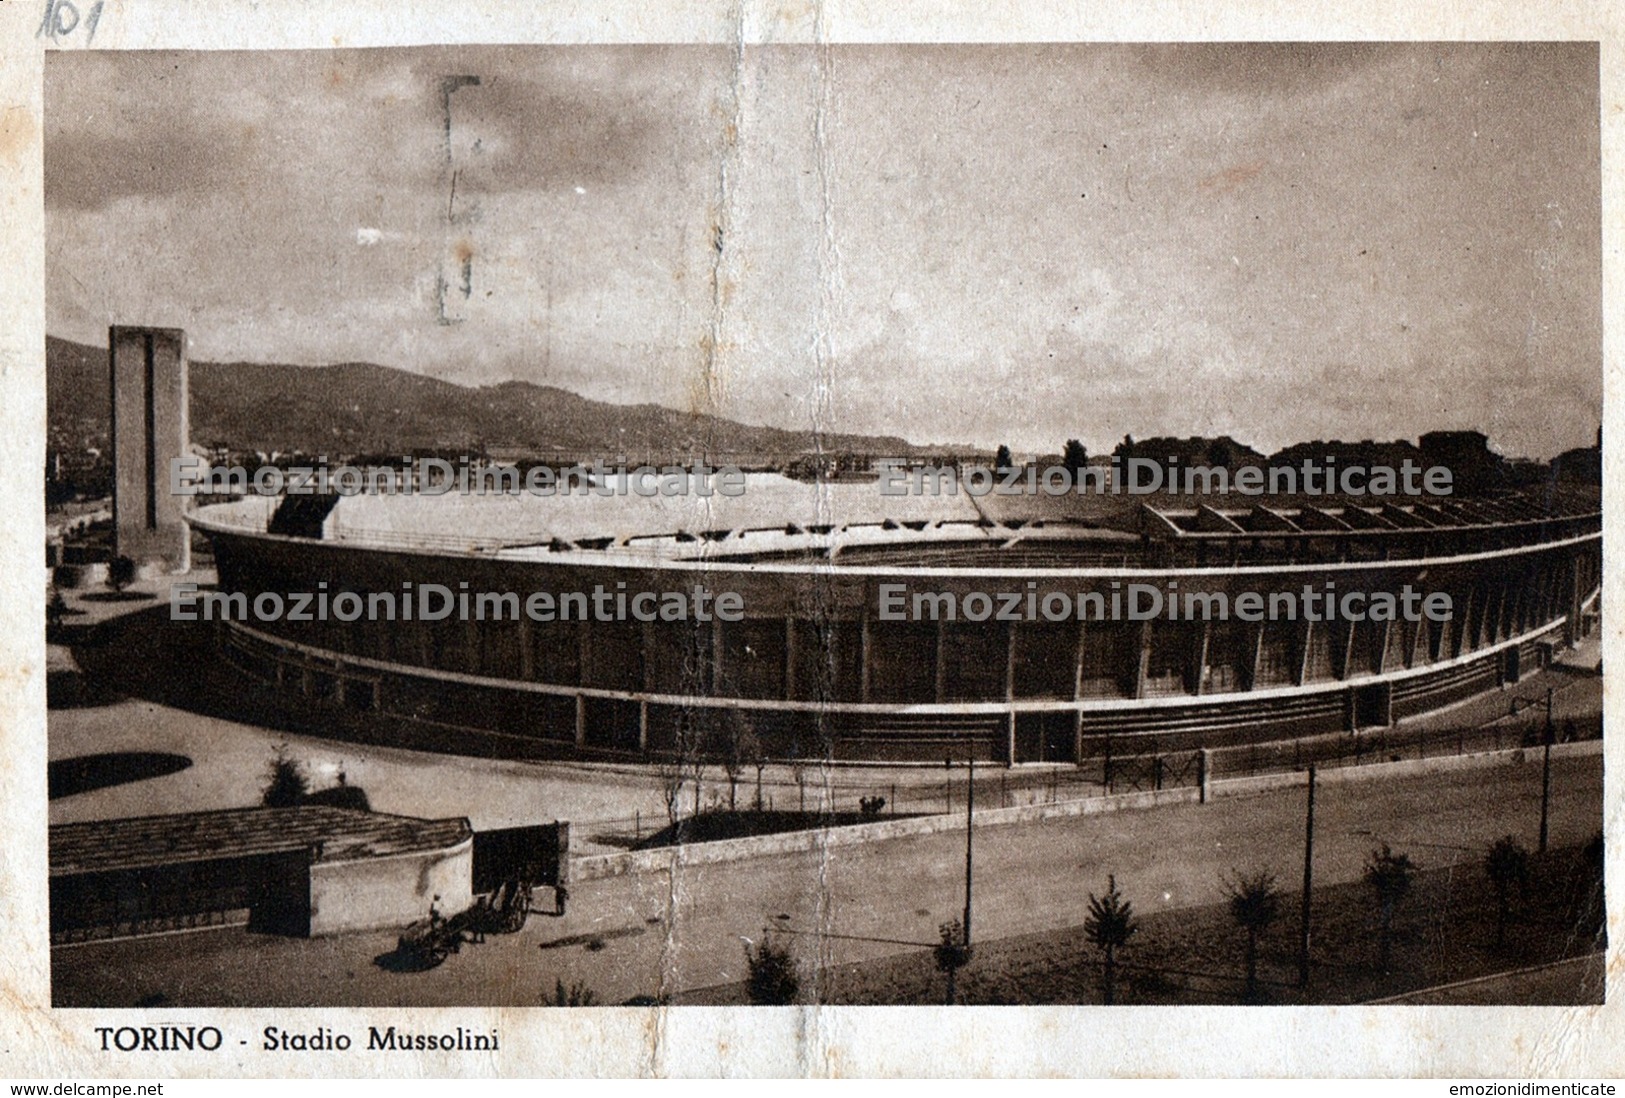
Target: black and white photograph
[722,524]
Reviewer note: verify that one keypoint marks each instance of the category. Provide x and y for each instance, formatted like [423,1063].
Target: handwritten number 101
[62,19]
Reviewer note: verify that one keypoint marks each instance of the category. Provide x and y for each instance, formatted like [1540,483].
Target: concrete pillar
[149,426]
[941,691]
[1201,658]
[863,656]
[792,659]
[1077,664]
[1571,629]
[581,720]
[527,658]
[1144,665]
[1258,654]
[717,656]
[1010,662]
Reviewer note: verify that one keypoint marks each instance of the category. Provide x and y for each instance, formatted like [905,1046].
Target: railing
[853,799]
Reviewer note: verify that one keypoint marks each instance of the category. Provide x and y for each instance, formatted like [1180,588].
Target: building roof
[332,834]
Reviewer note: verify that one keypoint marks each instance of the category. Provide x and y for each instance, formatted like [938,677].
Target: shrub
[773,980]
[1389,875]
[120,573]
[951,952]
[1110,925]
[286,782]
[56,608]
[577,994]
[1255,904]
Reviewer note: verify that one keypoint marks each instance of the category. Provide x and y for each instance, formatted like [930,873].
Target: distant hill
[358,407]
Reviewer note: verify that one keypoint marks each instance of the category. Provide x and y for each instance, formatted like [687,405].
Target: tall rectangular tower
[149,428]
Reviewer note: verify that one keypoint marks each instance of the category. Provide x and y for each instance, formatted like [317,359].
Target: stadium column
[1571,628]
[1258,655]
[790,657]
[718,654]
[581,720]
[1077,694]
[1144,665]
[1010,663]
[1382,654]
[863,655]
[472,646]
[1305,638]
[1010,693]
[1201,658]
[941,692]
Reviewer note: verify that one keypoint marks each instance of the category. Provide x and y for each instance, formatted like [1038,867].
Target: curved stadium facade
[814,671]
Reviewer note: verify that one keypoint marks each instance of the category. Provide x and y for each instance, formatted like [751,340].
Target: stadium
[813,669]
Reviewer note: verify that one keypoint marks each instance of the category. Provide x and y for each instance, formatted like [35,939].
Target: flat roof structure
[330,834]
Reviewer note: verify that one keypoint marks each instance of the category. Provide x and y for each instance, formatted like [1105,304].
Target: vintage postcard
[1013,520]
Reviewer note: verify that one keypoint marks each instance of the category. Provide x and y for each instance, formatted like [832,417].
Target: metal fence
[848,796]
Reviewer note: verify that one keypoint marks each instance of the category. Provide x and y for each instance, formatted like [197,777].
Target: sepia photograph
[680,525]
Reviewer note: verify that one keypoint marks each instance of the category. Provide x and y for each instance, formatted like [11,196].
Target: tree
[773,980]
[951,953]
[741,748]
[1074,457]
[670,769]
[1389,875]
[286,782]
[1588,912]
[577,994]
[120,573]
[1255,904]
[1506,865]
[56,608]
[1002,458]
[1110,925]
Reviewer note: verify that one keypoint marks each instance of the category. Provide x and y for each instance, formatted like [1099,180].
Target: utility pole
[1308,882]
[970,805]
[1546,772]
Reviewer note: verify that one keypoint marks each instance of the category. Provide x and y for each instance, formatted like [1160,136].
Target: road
[663,933]
[1542,985]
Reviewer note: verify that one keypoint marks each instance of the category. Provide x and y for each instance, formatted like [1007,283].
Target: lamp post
[1546,737]
[1308,882]
[970,807]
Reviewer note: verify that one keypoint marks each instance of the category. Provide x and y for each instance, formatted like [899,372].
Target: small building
[309,870]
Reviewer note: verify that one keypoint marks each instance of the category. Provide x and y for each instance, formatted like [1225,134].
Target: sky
[959,244]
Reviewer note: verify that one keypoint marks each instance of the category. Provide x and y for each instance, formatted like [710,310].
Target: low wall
[1406,768]
[391,891]
[597,866]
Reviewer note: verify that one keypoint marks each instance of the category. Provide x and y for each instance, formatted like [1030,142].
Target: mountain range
[365,408]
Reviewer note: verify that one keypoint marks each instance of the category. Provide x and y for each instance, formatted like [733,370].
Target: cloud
[995,243]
